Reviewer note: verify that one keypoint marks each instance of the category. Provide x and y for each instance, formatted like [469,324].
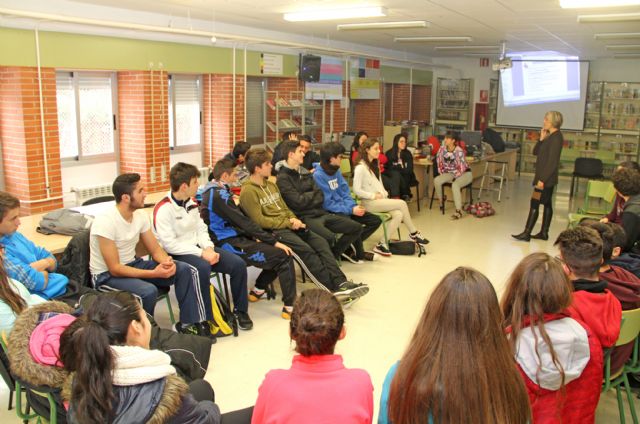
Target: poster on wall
[364,78]
[271,64]
[330,85]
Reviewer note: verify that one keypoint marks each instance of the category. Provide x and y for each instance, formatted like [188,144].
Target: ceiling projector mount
[504,62]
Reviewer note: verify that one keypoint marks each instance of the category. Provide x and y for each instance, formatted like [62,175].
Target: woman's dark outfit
[547,154]
[400,168]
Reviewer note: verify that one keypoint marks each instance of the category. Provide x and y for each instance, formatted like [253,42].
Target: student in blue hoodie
[338,200]
[32,265]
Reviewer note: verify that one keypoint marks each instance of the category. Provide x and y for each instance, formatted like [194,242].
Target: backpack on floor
[406,247]
[224,323]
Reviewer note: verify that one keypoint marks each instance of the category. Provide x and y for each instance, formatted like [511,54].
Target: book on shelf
[271,103]
[295,103]
[282,102]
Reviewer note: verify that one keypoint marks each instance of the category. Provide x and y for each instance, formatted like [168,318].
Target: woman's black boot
[546,223]
[531,221]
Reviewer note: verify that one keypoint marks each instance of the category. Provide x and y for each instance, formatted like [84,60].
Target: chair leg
[10,407]
[418,195]
[443,200]
[573,180]
[486,169]
[171,316]
[620,405]
[630,397]
[433,194]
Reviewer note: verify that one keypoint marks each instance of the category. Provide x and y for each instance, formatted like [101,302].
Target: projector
[503,64]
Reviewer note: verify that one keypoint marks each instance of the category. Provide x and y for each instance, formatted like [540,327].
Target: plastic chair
[345,168]
[163,294]
[100,199]
[589,168]
[605,194]
[629,330]
[384,217]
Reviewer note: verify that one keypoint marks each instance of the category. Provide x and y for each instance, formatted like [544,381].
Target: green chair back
[630,327]
[602,191]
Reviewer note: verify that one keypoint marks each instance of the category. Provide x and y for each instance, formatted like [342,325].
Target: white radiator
[85,193]
[204,175]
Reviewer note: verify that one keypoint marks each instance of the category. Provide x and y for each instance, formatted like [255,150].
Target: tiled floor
[379,326]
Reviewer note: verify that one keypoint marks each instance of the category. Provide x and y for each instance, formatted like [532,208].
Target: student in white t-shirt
[113,263]
[184,235]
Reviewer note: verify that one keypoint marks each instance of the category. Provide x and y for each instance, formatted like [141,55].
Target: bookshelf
[292,112]
[453,104]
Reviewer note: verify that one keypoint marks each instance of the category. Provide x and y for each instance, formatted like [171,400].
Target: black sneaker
[192,329]
[244,322]
[382,249]
[417,237]
[205,331]
[351,289]
[254,296]
[351,259]
[370,256]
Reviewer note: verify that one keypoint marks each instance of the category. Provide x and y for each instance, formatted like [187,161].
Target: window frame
[81,159]
[171,106]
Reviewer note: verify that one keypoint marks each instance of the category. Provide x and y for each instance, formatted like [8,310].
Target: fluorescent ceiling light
[481,54]
[489,48]
[626,56]
[617,36]
[623,47]
[333,14]
[433,39]
[615,17]
[383,25]
[576,4]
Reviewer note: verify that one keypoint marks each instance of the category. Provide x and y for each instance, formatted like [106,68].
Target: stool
[502,177]
[442,198]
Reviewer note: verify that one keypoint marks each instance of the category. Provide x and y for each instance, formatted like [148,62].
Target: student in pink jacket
[317,388]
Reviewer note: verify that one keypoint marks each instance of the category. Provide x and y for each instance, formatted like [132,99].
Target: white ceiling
[525,25]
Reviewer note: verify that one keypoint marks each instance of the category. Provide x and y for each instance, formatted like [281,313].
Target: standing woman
[547,150]
[400,165]
[452,168]
[367,185]
[458,367]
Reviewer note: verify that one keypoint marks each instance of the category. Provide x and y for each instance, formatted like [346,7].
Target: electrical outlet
[152,175]
[163,173]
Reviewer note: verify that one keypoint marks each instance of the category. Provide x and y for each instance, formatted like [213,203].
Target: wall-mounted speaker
[309,68]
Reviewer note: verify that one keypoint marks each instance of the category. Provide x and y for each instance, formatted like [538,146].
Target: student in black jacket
[400,165]
[305,198]
[232,230]
[310,157]
[547,151]
[627,184]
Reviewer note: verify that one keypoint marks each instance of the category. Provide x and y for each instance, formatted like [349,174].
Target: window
[86,118]
[185,117]
[255,110]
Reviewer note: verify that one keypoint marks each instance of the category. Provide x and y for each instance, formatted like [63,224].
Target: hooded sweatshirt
[337,196]
[264,205]
[579,353]
[631,222]
[597,307]
[300,191]
[629,261]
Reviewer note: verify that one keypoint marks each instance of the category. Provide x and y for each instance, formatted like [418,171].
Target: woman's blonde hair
[555,118]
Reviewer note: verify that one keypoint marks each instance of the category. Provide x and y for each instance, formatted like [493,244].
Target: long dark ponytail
[85,350]
[7,294]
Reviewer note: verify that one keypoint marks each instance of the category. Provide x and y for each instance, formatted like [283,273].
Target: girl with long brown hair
[558,356]
[14,298]
[458,367]
[367,185]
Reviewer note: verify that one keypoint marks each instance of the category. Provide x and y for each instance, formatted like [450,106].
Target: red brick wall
[21,135]
[218,121]
[368,117]
[144,126]
[400,102]
[421,103]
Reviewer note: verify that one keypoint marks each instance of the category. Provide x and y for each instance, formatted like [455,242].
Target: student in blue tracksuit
[338,200]
[25,262]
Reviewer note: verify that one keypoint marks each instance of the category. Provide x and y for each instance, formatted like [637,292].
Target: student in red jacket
[318,388]
[559,357]
[581,255]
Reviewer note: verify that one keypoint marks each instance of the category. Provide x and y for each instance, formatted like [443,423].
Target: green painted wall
[79,51]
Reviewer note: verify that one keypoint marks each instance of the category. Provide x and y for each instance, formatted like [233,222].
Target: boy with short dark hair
[626,181]
[581,254]
[310,157]
[237,156]
[262,202]
[305,199]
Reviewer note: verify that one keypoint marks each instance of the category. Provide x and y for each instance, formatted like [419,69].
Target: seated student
[338,199]
[14,298]
[615,215]
[628,261]
[310,157]
[392,186]
[277,152]
[235,232]
[261,201]
[581,256]
[453,168]
[117,378]
[304,198]
[458,339]
[318,388]
[558,355]
[113,262]
[32,265]
[627,184]
[368,186]
[237,155]
[400,166]
[183,234]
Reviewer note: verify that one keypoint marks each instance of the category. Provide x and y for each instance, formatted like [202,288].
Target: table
[424,175]
[56,243]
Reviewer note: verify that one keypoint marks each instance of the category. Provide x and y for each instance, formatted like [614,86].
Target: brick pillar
[144,126]
[421,103]
[21,137]
[220,128]
[368,117]
[400,99]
